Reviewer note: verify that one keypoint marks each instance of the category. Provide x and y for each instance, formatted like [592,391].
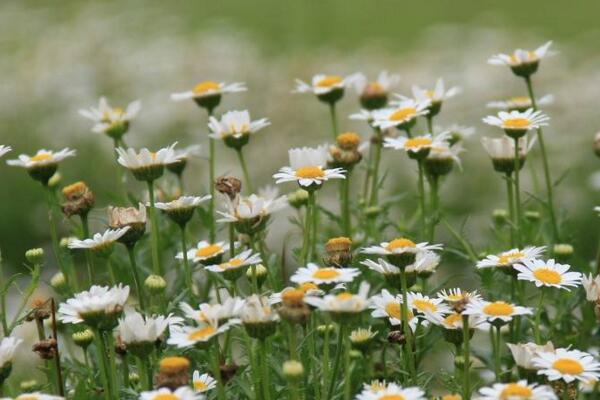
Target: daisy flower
[100,243]
[391,391]
[508,258]
[418,146]
[385,305]
[456,295]
[235,128]
[523,62]
[520,390]
[516,123]
[146,165]
[183,156]
[496,310]
[200,335]
[182,209]
[4,149]
[203,383]
[233,268]
[37,396]
[454,322]
[207,94]
[230,308]
[432,309]
[43,164]
[8,345]
[441,159]
[250,214]
[568,365]
[435,96]
[257,316]
[591,285]
[182,393]
[502,152]
[342,305]
[520,103]
[327,88]
[140,332]
[457,132]
[374,94]
[112,121]
[206,253]
[402,116]
[100,306]
[400,246]
[524,353]
[324,275]
[547,273]
[307,167]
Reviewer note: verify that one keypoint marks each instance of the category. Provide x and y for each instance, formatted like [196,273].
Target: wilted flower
[134,218]
[80,199]
[258,317]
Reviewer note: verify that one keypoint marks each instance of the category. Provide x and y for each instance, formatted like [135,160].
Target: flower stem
[136,276]
[245,170]
[374,198]
[422,197]
[347,371]
[467,358]
[156,266]
[54,236]
[325,366]
[334,127]
[538,316]
[265,369]
[336,363]
[89,260]
[517,193]
[217,372]
[145,372]
[102,354]
[408,346]
[345,197]
[511,208]
[434,193]
[189,282]
[547,176]
[498,354]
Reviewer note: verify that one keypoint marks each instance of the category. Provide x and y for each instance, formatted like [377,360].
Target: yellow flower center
[306,286]
[515,390]
[403,114]
[166,396]
[310,172]
[417,143]
[171,365]
[377,386]
[208,251]
[424,305]
[394,310]
[330,81]
[498,309]
[27,397]
[568,366]
[453,320]
[348,139]
[430,93]
[199,385]
[520,99]
[452,397]
[375,87]
[202,334]
[42,157]
[344,296]
[326,273]
[400,243]
[233,263]
[292,297]
[206,86]
[547,276]
[508,258]
[516,123]
[455,297]
[392,397]
[74,190]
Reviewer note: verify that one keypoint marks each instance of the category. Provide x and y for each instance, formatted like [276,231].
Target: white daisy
[42,158]
[402,116]
[384,82]
[324,275]
[454,321]
[322,84]
[182,203]
[496,310]
[192,335]
[8,345]
[235,124]
[390,391]
[230,308]
[516,123]
[511,257]
[203,383]
[522,57]
[137,160]
[419,143]
[457,132]
[243,208]
[568,365]
[112,121]
[182,393]
[591,285]
[100,242]
[547,273]
[456,295]
[135,328]
[386,305]
[209,88]
[244,259]
[4,149]
[341,303]
[307,167]
[399,246]
[524,353]
[436,95]
[93,305]
[442,153]
[520,103]
[432,309]
[257,310]
[503,148]
[205,251]
[37,396]
[520,390]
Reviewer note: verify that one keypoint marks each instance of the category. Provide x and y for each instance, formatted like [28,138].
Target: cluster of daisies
[352,319]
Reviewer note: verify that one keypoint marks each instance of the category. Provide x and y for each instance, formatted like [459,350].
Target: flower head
[140,332]
[508,259]
[390,391]
[520,390]
[402,116]
[203,383]
[591,285]
[547,273]
[520,103]
[324,275]
[374,94]
[386,305]
[111,121]
[182,393]
[496,311]
[327,88]
[308,168]
[146,165]
[182,209]
[523,62]
[435,96]
[208,313]
[524,353]
[200,335]
[502,152]
[568,365]
[8,345]
[100,243]
[419,146]
[342,305]
[206,253]
[207,94]
[236,265]
[250,214]
[43,164]
[432,309]
[100,306]
[235,128]
[516,123]
[258,317]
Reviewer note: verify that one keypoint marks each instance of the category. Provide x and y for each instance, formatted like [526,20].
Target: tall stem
[51,199]
[408,346]
[422,197]
[538,316]
[217,372]
[334,127]
[511,208]
[375,178]
[547,176]
[189,282]
[347,372]
[136,276]
[517,193]
[211,185]
[245,170]
[156,265]
[434,194]
[336,363]
[89,259]
[345,197]
[498,355]
[467,358]
[102,353]
[265,369]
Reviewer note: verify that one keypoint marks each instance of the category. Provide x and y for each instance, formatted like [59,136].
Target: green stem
[265,369]
[345,206]
[314,226]
[547,176]
[112,362]
[156,265]
[334,126]
[231,240]
[217,372]
[472,256]
[89,259]
[429,123]
[54,236]
[517,193]
[347,372]
[374,199]
[145,372]
[538,316]
[102,353]
[325,365]
[422,207]
[136,276]
[498,354]
[245,170]
[408,346]
[3,290]
[189,282]
[336,363]
[511,208]
[211,186]
[467,358]
[253,368]
[434,194]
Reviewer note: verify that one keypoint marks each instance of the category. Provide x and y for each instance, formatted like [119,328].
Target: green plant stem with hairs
[434,184]
[334,124]
[136,276]
[189,282]
[518,216]
[408,336]
[538,316]
[247,180]
[215,361]
[336,363]
[467,358]
[156,264]
[511,207]
[211,185]
[89,259]
[69,273]
[345,193]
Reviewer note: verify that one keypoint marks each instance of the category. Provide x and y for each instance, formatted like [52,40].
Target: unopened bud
[58,281]
[84,338]
[293,370]
[260,271]
[35,256]
[533,216]
[298,198]
[563,251]
[500,216]
[155,284]
[55,180]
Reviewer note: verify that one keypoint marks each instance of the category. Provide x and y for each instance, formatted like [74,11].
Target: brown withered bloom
[229,186]
[40,310]
[173,372]
[79,199]
[120,217]
[339,252]
[345,153]
[46,348]
[396,337]
[294,309]
[228,371]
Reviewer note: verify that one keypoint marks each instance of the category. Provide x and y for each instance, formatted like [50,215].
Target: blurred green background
[61,56]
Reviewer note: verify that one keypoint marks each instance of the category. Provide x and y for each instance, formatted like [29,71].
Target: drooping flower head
[235,128]
[344,306]
[523,62]
[111,121]
[140,332]
[146,165]
[43,164]
[207,94]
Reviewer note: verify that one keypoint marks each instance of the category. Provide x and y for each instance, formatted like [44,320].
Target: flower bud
[293,370]
[500,216]
[35,256]
[323,328]
[298,198]
[532,216]
[134,377]
[84,338]
[258,270]
[562,251]
[173,372]
[59,282]
[30,386]
[362,339]
[155,284]
[55,180]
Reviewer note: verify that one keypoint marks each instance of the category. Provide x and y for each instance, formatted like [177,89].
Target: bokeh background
[60,56]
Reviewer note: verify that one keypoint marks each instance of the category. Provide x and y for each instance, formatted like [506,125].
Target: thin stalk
[245,170]
[547,176]
[498,354]
[231,240]
[511,208]
[422,206]
[538,316]
[314,226]
[435,205]
[467,358]
[336,363]
[112,362]
[156,265]
[408,346]
[211,184]
[429,123]
[325,365]
[345,206]
[334,127]
[125,370]
[51,199]
[217,372]
[374,199]
[347,372]
[89,259]
[472,256]
[306,231]
[145,372]
[369,172]
[189,282]
[265,369]
[253,368]
[136,276]
[517,193]
[3,290]
[102,352]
